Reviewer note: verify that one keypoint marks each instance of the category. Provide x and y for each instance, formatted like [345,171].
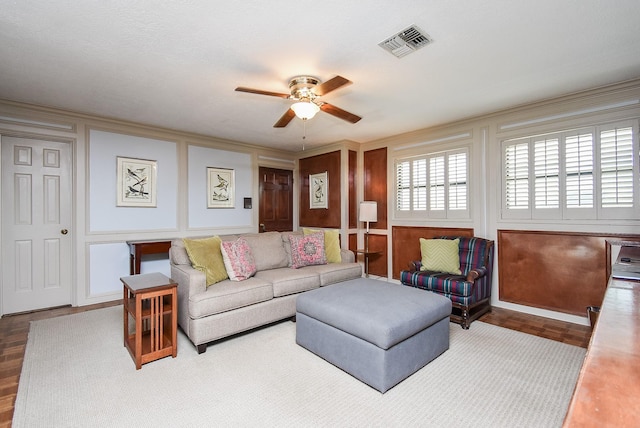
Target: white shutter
[618,179]
[546,165]
[419,185]
[403,182]
[436,183]
[616,168]
[546,177]
[579,170]
[457,174]
[516,176]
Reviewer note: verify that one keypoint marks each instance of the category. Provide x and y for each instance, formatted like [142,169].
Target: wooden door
[276,199]
[36,224]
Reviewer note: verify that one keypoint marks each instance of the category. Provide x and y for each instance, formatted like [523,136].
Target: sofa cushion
[440,255]
[268,250]
[307,250]
[238,259]
[205,255]
[287,281]
[335,272]
[331,243]
[228,295]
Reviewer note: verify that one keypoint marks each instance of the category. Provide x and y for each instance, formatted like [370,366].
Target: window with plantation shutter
[433,185]
[580,174]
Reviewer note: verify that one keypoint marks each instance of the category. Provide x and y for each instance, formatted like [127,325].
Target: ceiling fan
[306,91]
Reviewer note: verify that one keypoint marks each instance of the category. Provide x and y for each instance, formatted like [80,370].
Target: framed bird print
[136,182]
[318,190]
[220,187]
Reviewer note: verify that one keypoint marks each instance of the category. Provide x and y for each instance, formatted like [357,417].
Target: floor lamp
[368,213]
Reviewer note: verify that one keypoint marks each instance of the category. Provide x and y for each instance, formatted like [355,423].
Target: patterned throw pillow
[440,255]
[331,243]
[205,256]
[238,259]
[307,250]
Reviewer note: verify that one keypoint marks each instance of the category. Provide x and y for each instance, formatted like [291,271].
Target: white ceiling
[176,64]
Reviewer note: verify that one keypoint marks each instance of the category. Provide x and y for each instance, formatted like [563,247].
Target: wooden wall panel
[353,242]
[378,263]
[375,183]
[353,189]
[330,217]
[559,271]
[405,244]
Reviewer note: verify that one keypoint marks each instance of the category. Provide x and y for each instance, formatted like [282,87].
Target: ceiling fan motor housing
[301,88]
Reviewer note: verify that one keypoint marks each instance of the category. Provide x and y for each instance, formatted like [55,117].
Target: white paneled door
[36,224]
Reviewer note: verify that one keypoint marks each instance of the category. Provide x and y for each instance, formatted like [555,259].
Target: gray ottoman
[380,333]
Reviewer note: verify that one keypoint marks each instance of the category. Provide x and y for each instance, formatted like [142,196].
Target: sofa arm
[190,280]
[476,273]
[347,256]
[415,265]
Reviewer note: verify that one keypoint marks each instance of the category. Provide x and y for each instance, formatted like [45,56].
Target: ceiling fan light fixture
[305,110]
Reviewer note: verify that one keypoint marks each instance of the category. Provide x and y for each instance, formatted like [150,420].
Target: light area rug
[77,373]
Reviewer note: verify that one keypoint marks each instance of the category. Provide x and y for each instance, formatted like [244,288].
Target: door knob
[64,231]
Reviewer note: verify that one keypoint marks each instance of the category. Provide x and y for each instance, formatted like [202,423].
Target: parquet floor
[15,328]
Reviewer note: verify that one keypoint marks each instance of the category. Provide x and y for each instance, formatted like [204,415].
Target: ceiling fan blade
[338,112]
[285,119]
[331,85]
[261,92]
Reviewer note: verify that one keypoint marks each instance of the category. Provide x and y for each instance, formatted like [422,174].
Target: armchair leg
[466,322]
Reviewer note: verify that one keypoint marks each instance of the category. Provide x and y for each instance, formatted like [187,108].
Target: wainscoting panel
[320,217]
[406,243]
[353,190]
[559,271]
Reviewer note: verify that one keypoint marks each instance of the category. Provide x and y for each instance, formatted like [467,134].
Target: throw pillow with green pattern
[440,255]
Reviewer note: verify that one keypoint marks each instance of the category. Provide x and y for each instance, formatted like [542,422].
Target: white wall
[104,215]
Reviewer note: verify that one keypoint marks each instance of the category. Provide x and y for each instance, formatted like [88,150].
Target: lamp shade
[305,110]
[368,211]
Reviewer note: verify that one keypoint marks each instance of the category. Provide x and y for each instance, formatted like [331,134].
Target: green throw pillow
[331,243]
[440,255]
[206,256]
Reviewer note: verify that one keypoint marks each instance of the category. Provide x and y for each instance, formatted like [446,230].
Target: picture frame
[136,181]
[220,188]
[319,190]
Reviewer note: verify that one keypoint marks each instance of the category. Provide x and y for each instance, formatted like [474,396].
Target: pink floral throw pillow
[307,250]
[238,259]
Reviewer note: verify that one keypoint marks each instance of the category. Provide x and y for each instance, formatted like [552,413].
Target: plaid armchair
[470,293]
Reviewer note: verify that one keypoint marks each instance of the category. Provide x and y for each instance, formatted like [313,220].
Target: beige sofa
[207,314]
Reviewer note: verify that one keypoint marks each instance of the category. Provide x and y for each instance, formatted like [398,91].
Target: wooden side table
[151,302]
[137,249]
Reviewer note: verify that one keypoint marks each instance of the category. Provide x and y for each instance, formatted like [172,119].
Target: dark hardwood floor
[15,328]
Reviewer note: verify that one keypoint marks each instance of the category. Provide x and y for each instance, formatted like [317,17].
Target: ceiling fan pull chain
[304,132]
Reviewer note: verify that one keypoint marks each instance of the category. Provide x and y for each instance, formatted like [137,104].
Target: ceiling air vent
[406,41]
